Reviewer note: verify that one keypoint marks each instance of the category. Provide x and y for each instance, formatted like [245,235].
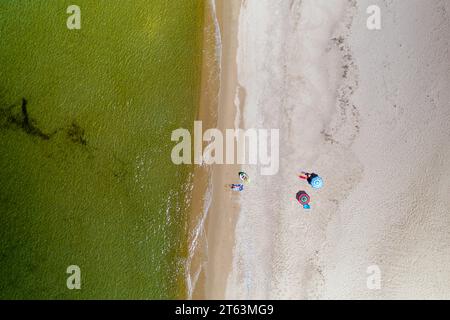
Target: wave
[196,236]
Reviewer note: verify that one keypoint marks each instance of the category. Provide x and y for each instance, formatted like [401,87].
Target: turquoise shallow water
[93,184]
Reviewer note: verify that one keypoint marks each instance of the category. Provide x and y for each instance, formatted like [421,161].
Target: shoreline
[215,208]
[207,113]
[225,204]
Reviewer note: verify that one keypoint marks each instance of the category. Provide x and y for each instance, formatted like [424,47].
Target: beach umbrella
[316,182]
[304,199]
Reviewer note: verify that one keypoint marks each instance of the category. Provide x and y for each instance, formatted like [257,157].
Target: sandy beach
[215,219]
[367,110]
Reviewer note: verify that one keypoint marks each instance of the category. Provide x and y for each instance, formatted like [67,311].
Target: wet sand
[219,206]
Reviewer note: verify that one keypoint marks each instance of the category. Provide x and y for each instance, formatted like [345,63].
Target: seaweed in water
[23,121]
[20,119]
[76,134]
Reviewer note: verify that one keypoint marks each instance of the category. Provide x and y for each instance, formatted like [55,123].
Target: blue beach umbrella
[317,182]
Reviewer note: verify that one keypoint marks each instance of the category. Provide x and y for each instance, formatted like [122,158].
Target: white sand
[379,135]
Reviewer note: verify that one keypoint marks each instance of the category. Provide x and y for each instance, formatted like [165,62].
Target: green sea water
[88,180]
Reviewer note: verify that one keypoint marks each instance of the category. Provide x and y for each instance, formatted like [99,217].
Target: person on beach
[244,177]
[237,187]
[313,179]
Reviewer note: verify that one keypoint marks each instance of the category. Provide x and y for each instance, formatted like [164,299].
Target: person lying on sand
[313,179]
[237,187]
